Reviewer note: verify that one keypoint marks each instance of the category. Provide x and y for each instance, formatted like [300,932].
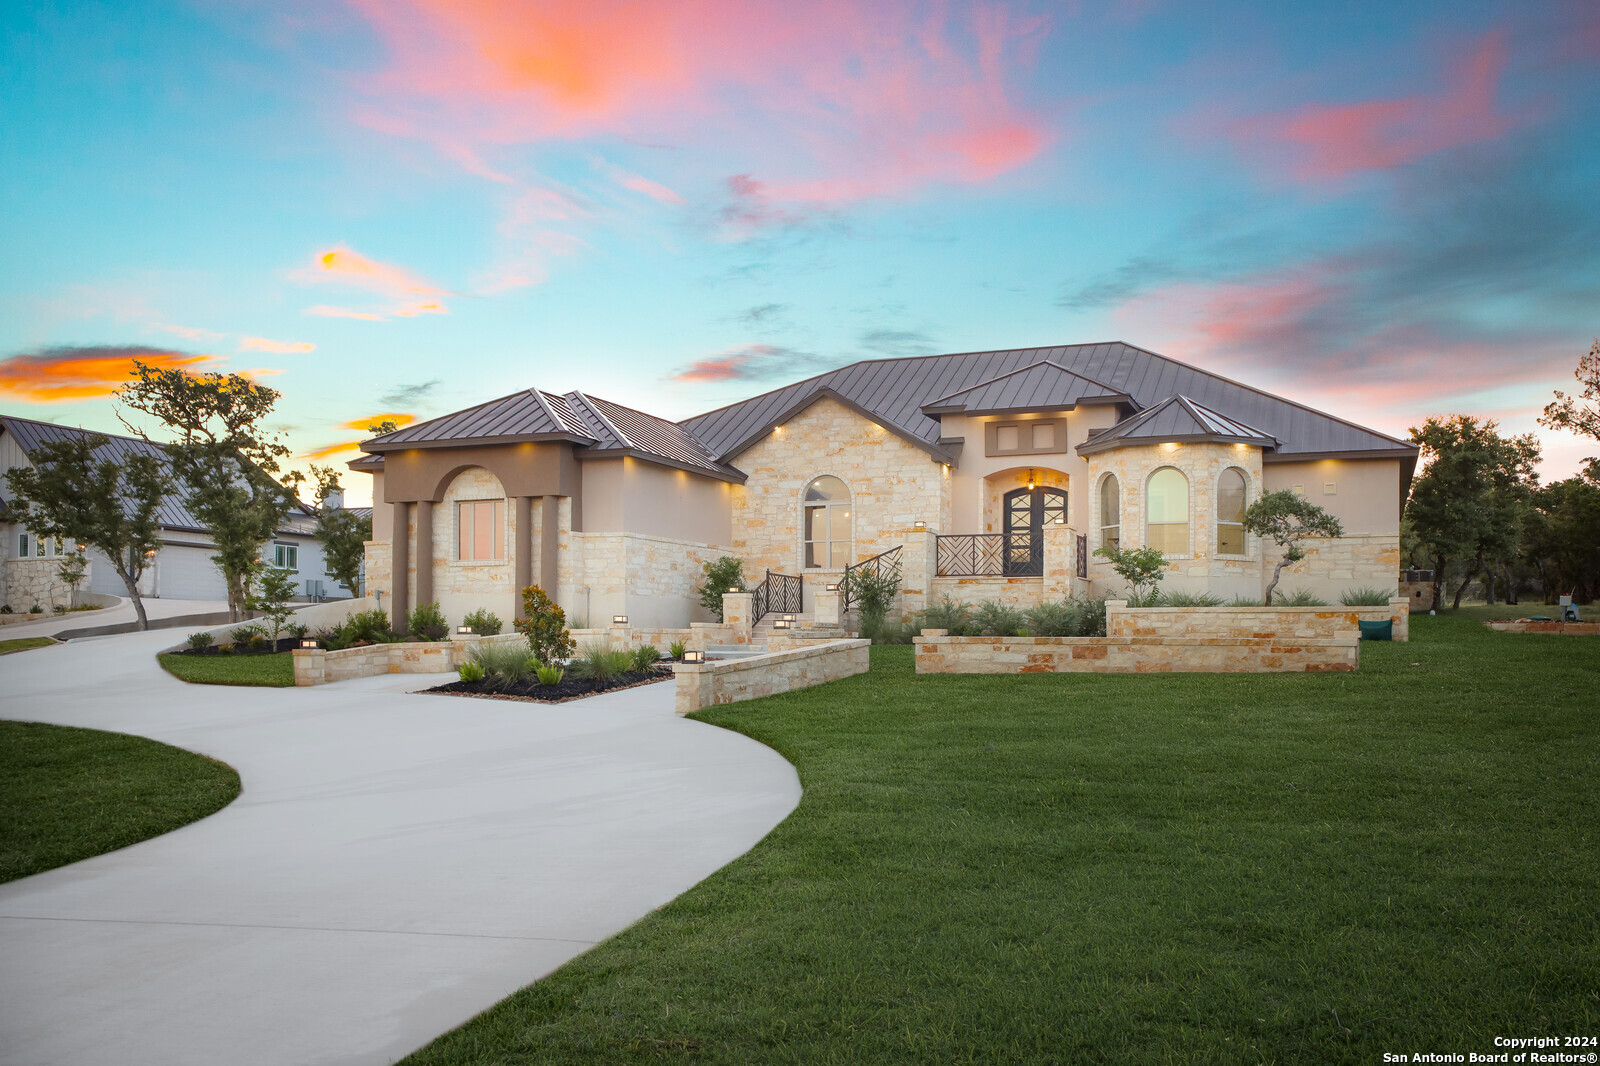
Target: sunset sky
[398,209]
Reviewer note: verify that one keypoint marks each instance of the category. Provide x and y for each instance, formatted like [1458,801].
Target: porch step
[734,651]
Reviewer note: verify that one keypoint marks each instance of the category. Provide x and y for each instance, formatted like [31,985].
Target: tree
[73,569]
[1565,413]
[107,504]
[1563,536]
[872,589]
[1471,501]
[224,460]
[271,592]
[722,575]
[544,623]
[1142,568]
[342,533]
[1288,519]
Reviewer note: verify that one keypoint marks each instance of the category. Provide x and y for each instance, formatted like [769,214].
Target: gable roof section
[1042,386]
[893,391]
[173,513]
[526,415]
[1176,418]
[623,430]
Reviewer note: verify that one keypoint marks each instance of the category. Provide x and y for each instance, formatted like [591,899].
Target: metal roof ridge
[610,425]
[1113,390]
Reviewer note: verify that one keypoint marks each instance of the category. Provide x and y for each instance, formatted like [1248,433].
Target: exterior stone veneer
[1299,623]
[701,685]
[937,653]
[36,580]
[893,484]
[319,667]
[652,580]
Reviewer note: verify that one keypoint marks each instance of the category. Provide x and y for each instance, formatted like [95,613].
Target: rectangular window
[480,530]
[286,557]
[24,545]
[1007,438]
[1044,436]
[33,547]
[1034,436]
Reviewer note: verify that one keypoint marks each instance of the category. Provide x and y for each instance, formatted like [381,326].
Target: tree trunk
[1439,565]
[1472,571]
[237,594]
[1511,584]
[1488,584]
[1277,572]
[132,584]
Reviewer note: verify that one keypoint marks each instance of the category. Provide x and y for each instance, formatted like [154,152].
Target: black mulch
[569,688]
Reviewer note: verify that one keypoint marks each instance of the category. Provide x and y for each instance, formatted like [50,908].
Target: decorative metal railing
[777,594]
[1083,555]
[879,565]
[990,555]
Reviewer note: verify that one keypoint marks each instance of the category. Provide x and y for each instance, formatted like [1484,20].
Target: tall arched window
[827,524]
[1167,512]
[1110,512]
[1230,512]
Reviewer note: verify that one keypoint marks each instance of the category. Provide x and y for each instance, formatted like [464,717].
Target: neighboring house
[182,568]
[997,474]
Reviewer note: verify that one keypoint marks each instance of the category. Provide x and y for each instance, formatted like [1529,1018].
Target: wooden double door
[1027,512]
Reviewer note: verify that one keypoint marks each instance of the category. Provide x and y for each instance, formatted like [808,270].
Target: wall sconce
[309,644]
[832,586]
[694,656]
[1032,479]
[1061,521]
[465,631]
[619,619]
[919,524]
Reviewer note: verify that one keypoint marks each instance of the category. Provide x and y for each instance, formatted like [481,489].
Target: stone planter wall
[318,667]
[937,653]
[1570,629]
[1300,623]
[701,685]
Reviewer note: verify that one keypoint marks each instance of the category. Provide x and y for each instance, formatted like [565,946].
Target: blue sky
[1384,210]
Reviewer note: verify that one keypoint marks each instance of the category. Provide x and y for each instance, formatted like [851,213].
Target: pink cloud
[830,100]
[263,344]
[329,311]
[1322,142]
[345,266]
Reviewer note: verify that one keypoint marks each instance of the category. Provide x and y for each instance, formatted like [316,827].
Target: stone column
[549,544]
[1060,560]
[424,553]
[825,607]
[1400,615]
[737,607]
[919,562]
[522,550]
[400,563]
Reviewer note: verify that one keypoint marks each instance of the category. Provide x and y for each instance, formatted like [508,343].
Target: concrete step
[734,651]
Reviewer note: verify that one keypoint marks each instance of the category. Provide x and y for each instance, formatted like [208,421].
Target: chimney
[334,500]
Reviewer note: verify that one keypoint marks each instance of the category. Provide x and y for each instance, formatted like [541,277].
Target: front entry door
[1028,511]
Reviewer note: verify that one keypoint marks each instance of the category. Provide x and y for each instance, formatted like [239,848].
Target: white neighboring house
[182,568]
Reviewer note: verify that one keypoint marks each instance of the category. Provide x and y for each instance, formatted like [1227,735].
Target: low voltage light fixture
[919,524]
[465,631]
[308,644]
[619,619]
[736,589]
[832,586]
[694,656]
[782,623]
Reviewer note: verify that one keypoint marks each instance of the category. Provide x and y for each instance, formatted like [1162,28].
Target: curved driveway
[395,864]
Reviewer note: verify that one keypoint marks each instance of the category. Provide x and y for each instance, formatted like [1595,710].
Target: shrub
[5,608]
[224,649]
[1188,599]
[993,619]
[549,673]
[1365,596]
[1301,598]
[371,626]
[426,622]
[470,672]
[544,623]
[1091,618]
[36,609]
[1141,568]
[872,591]
[483,623]
[677,648]
[887,631]
[599,662]
[243,634]
[1243,601]
[721,575]
[58,608]
[259,642]
[296,630]
[333,639]
[503,664]
[1054,618]
[948,614]
[199,641]
[644,658]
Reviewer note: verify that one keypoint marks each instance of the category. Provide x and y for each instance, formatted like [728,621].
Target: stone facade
[701,685]
[893,484]
[26,582]
[652,580]
[1299,623]
[319,667]
[937,653]
[462,586]
[1333,567]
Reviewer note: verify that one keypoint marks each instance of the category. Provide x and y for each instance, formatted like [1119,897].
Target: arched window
[1167,512]
[827,524]
[1230,512]
[1110,512]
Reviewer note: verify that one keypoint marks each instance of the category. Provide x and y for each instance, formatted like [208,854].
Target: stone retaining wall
[940,654]
[701,685]
[1301,623]
[695,637]
[318,667]
[1570,629]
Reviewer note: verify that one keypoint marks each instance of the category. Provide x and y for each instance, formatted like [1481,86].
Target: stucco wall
[627,495]
[382,513]
[980,480]
[1366,496]
[892,485]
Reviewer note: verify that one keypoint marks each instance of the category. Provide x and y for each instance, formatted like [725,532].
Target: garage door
[184,573]
[102,578]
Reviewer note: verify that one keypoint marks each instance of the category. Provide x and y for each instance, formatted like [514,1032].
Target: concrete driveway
[396,863]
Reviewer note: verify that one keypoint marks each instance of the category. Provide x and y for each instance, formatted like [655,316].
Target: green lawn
[24,643]
[275,669]
[1278,868]
[67,794]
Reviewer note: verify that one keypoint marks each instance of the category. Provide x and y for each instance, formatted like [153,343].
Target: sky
[400,209]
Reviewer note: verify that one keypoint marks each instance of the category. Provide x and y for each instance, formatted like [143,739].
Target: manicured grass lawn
[67,794]
[1288,868]
[275,669]
[23,644]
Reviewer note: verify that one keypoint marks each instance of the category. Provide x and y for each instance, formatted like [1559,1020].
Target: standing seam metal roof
[1177,418]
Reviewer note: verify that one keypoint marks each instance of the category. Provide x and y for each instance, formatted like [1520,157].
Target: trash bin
[1383,630]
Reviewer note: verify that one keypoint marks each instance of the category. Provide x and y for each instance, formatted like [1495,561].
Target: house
[182,568]
[987,475]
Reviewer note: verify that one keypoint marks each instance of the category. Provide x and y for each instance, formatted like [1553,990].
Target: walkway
[395,864]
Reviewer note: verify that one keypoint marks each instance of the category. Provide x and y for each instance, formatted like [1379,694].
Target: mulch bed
[284,644]
[530,691]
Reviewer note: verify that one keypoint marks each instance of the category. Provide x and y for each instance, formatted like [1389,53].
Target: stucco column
[424,552]
[549,544]
[522,552]
[400,562]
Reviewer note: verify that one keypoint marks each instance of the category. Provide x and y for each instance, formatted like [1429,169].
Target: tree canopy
[342,533]
[1565,412]
[1288,519]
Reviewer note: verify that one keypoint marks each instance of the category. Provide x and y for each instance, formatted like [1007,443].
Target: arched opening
[1167,512]
[1110,512]
[1232,498]
[1027,512]
[826,523]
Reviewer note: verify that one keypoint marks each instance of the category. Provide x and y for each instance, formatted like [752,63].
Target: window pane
[816,524]
[1230,538]
[840,554]
[1171,538]
[814,555]
[839,523]
[1006,439]
[1044,436]
[1230,497]
[498,519]
[1110,503]
[1169,497]
[482,529]
[826,488]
